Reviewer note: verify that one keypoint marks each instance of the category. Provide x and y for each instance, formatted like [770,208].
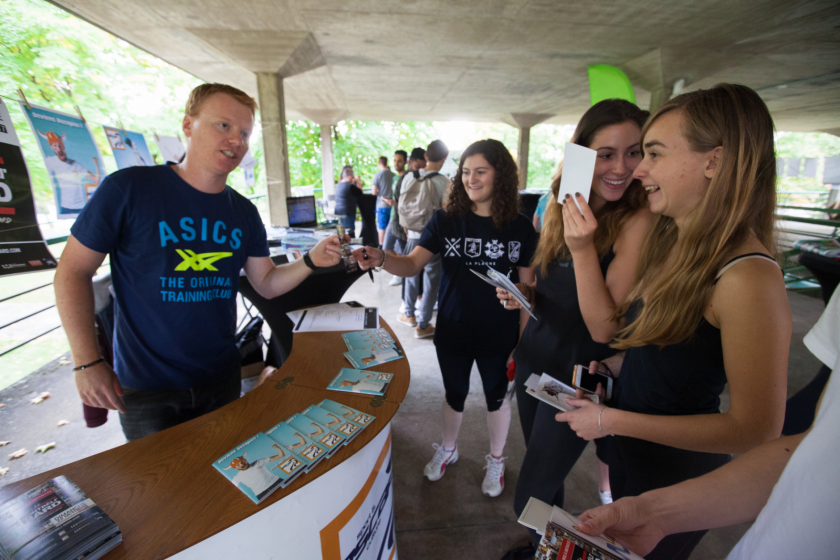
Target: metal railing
[51,241]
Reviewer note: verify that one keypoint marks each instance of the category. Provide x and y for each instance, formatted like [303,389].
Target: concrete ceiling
[491,60]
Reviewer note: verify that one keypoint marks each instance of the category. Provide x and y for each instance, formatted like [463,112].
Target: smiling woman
[708,306]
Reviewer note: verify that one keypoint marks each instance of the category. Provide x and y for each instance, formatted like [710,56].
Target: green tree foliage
[805,191]
[60,61]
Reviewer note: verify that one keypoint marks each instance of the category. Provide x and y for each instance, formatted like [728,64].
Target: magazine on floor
[55,520]
[301,446]
[361,381]
[554,392]
[260,466]
[317,432]
[561,539]
[499,280]
[348,413]
[373,356]
[334,422]
[367,339]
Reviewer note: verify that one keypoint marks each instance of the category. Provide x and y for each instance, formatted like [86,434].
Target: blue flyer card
[361,381]
[368,339]
[373,356]
[333,422]
[294,441]
[347,412]
[259,466]
[317,432]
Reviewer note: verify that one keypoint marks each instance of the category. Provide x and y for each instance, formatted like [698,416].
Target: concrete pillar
[275,145]
[327,173]
[522,155]
[524,122]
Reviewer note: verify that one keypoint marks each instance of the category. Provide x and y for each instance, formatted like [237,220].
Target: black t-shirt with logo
[474,242]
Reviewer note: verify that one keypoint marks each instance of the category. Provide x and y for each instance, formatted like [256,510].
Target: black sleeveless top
[559,339]
[679,379]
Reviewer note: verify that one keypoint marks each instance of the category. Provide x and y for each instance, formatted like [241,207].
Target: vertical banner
[171,148]
[71,156]
[129,148]
[248,164]
[22,248]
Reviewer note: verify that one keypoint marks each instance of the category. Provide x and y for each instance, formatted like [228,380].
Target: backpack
[418,201]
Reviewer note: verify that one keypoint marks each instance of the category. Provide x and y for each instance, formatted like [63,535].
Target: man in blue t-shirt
[178,237]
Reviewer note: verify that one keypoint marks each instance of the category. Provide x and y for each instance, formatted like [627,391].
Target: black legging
[637,466]
[556,449]
[455,367]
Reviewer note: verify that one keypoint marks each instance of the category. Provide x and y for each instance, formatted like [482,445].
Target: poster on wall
[129,148]
[71,157]
[171,148]
[22,248]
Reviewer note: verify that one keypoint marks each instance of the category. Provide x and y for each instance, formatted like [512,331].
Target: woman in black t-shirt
[480,228]
[584,264]
[708,306]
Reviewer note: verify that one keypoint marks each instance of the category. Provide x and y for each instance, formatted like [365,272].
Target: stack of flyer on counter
[55,521]
[371,348]
[271,460]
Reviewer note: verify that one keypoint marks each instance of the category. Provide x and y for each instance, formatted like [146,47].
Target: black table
[824,269]
[325,285]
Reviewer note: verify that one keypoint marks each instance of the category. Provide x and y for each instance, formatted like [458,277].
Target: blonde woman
[707,306]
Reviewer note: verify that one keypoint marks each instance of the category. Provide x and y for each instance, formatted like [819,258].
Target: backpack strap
[430,175]
[416,175]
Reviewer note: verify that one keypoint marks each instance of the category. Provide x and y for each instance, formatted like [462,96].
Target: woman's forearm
[709,433]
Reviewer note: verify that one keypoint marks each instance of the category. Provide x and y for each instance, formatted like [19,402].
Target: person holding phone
[582,269]
[708,306]
[481,226]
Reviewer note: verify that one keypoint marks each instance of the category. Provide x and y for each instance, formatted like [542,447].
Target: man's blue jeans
[149,412]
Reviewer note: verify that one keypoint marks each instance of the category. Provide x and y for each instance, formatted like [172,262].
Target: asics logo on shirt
[202,261]
[192,230]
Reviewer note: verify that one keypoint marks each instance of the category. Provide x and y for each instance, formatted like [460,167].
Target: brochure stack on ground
[55,521]
[271,460]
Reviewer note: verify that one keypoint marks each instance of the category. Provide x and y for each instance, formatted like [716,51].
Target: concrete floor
[442,520]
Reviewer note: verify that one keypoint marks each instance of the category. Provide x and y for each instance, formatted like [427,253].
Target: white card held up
[578,170]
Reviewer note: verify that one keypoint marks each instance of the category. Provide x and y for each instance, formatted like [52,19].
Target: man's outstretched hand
[327,252]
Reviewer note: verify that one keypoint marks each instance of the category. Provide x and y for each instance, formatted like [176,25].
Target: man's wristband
[307,260]
[80,368]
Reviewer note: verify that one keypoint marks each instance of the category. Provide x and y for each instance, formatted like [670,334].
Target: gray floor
[442,520]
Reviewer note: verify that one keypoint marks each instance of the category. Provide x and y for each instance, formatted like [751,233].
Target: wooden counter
[163,491]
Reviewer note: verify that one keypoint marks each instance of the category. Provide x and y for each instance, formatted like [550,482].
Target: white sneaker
[494,478]
[606,497]
[437,466]
[395,281]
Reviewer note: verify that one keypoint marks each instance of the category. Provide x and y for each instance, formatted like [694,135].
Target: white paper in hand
[578,170]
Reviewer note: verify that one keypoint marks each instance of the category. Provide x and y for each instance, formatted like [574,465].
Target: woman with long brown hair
[707,307]
[582,269]
[481,227]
